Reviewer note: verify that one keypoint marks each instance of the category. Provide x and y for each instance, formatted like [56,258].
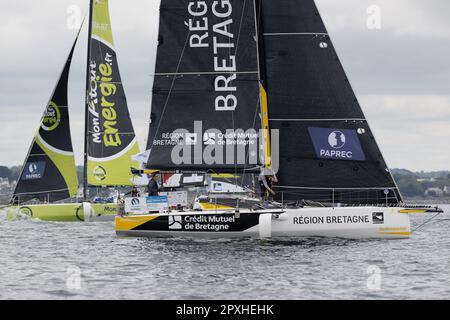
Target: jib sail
[49,172]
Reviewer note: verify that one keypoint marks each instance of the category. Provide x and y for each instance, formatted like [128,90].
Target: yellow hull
[65,212]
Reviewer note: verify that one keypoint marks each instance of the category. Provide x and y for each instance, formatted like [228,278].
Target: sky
[396,55]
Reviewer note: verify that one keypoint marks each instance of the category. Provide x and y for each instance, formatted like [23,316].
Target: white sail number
[222,43]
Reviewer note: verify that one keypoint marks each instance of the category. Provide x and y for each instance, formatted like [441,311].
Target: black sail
[49,172]
[206,85]
[327,150]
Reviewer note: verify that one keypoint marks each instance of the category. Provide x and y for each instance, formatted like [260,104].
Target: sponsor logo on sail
[25,211]
[102,103]
[209,138]
[337,144]
[99,173]
[51,118]
[336,139]
[232,147]
[34,170]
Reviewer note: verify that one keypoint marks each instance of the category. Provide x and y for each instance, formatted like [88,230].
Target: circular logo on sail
[32,168]
[99,173]
[336,139]
[52,117]
[25,211]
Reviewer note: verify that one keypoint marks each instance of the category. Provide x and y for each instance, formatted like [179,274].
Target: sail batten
[268,34]
[306,120]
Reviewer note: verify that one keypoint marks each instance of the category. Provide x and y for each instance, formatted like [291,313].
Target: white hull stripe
[42,192]
[53,149]
[116,156]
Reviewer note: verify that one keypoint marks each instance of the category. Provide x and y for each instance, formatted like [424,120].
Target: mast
[86,128]
[264,108]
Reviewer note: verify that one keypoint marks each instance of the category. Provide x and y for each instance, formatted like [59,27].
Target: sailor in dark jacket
[153,186]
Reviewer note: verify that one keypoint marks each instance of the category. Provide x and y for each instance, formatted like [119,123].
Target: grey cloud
[407,57]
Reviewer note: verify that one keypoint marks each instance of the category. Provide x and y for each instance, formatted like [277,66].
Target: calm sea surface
[40,260]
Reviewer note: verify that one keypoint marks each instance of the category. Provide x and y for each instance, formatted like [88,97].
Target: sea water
[42,260]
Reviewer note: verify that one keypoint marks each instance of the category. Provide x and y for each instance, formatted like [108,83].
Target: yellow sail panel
[266,129]
[111,141]
[114,171]
[101,23]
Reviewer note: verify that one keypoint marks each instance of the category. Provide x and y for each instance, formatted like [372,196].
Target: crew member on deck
[135,192]
[272,181]
[153,185]
[266,190]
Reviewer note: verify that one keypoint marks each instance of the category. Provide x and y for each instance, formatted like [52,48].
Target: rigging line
[233,124]
[119,133]
[235,53]
[38,155]
[305,120]
[113,82]
[254,123]
[426,222]
[201,73]
[41,192]
[240,28]
[258,103]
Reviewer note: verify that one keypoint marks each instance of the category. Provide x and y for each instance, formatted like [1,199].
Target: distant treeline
[415,184]
[12,173]
[411,184]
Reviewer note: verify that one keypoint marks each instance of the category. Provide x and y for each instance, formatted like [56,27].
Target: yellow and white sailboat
[47,187]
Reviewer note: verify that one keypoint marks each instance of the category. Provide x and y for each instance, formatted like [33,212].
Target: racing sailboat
[49,172]
[257,86]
